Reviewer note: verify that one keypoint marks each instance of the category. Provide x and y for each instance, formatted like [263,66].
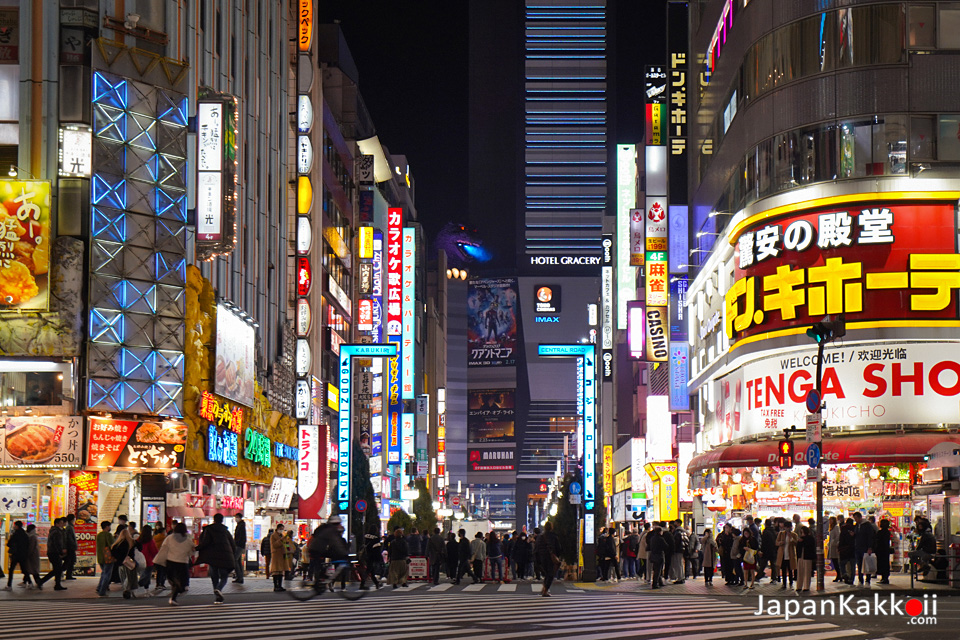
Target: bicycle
[327,575]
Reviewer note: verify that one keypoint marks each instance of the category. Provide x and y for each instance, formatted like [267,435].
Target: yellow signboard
[666,489]
[25,236]
[607,470]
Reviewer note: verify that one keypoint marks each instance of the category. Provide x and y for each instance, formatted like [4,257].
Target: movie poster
[492,322]
[490,415]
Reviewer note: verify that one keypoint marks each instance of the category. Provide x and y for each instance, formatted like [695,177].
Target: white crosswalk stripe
[507,587]
[441,587]
[494,615]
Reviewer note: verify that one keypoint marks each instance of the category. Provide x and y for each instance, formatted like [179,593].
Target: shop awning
[872,449]
[185,512]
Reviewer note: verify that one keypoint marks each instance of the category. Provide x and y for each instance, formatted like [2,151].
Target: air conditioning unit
[180,484]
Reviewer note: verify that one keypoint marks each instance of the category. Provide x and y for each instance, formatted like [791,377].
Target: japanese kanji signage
[657,226]
[872,262]
[220,412]
[656,282]
[48,441]
[25,239]
[394,271]
[129,444]
[409,314]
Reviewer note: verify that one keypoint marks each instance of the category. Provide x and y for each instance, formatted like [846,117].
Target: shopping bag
[870,564]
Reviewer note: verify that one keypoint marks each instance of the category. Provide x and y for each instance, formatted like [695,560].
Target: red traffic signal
[786,454]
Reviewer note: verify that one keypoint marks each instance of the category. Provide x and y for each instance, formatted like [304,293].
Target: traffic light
[410,468]
[828,329]
[786,454]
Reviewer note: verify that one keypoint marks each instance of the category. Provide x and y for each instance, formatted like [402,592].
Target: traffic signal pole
[821,565]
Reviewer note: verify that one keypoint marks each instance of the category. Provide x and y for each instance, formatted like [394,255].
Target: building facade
[820,162]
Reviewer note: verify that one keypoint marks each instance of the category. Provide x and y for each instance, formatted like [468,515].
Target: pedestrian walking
[159,536]
[218,551]
[478,555]
[280,561]
[17,547]
[833,546]
[847,552]
[806,557]
[399,552]
[507,545]
[748,548]
[709,546]
[240,545]
[643,553]
[104,558]
[724,542]
[56,553]
[692,556]
[372,556]
[465,558]
[70,544]
[453,556]
[415,543]
[122,550]
[495,557]
[436,552]
[883,547]
[33,556]
[176,553]
[657,549]
[863,541]
[768,550]
[521,555]
[736,557]
[265,552]
[548,551]
[148,548]
[787,553]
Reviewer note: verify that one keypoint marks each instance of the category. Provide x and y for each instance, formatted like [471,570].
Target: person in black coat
[453,555]
[521,555]
[657,548]
[218,551]
[548,551]
[372,557]
[265,551]
[465,553]
[17,549]
[883,547]
[56,552]
[240,545]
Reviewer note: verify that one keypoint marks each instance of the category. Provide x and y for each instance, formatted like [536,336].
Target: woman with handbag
[749,550]
[787,553]
[176,554]
[123,550]
[148,548]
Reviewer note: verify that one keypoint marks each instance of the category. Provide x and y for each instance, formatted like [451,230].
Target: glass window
[9,92]
[890,146]
[765,175]
[23,389]
[818,154]
[948,147]
[949,28]
[923,138]
[923,26]
[871,35]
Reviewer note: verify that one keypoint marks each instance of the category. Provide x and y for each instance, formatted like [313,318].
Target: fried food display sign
[25,236]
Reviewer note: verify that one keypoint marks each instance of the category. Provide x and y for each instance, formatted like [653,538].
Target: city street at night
[567,319]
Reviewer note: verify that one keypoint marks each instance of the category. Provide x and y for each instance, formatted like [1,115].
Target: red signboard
[86,538]
[872,262]
[394,270]
[83,495]
[131,444]
[304,277]
[365,315]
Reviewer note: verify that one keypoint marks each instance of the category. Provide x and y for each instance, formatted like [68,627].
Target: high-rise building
[823,188]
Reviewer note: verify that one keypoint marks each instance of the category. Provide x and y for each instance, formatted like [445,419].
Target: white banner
[863,385]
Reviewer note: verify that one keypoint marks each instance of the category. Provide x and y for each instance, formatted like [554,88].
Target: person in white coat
[176,552]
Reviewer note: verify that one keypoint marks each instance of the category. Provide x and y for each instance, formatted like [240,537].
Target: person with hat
[328,542]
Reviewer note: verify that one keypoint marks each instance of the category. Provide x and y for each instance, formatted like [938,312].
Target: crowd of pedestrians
[857,548]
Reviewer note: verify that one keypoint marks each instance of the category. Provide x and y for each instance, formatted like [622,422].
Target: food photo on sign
[235,370]
[25,236]
[130,444]
[30,441]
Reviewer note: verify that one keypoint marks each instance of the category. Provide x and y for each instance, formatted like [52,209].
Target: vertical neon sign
[408,309]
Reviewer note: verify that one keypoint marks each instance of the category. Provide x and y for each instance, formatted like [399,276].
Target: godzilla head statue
[462,245]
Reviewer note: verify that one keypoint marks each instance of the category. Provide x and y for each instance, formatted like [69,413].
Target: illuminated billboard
[409,316]
[492,322]
[490,415]
[626,201]
[25,239]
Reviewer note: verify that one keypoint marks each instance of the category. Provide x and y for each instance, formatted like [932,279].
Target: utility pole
[823,332]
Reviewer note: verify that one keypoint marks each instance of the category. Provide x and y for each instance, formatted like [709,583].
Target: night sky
[412,59]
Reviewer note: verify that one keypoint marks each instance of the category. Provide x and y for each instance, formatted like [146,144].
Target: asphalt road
[485,612]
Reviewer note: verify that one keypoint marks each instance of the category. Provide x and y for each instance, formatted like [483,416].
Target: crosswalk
[489,587]
[437,615]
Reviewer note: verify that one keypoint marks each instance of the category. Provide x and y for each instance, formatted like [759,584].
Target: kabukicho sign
[864,384]
[874,262]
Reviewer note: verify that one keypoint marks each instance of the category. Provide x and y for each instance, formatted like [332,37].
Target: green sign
[256,447]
